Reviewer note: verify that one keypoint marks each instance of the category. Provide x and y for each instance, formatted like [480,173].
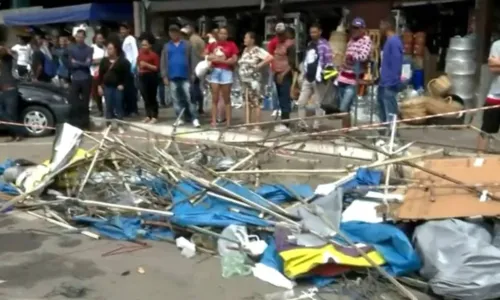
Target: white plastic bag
[202,68]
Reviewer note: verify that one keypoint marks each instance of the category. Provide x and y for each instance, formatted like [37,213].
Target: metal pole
[137,18]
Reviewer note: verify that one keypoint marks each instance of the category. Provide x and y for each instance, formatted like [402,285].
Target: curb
[338,148]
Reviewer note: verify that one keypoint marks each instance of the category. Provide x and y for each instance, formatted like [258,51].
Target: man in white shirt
[98,54]
[23,53]
[129,47]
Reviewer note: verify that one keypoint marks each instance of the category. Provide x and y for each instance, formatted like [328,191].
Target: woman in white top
[99,53]
[23,52]
[252,60]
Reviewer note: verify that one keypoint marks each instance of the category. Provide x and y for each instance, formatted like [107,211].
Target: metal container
[461,68]
[463,85]
[460,54]
[467,42]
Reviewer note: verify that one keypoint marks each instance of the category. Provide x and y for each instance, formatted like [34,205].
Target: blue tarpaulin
[390,241]
[126,228]
[75,13]
[364,177]
[216,212]
[5,187]
[209,210]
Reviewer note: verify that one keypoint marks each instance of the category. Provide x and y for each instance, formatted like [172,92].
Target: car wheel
[38,121]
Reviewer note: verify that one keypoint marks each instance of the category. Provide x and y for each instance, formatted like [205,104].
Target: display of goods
[408,48]
[439,86]
[436,106]
[338,42]
[418,62]
[419,38]
[408,37]
[461,68]
[413,108]
[418,50]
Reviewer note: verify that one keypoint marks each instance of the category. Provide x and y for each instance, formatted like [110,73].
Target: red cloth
[331,270]
[149,57]
[273,43]
[224,49]
[271,47]
[492,100]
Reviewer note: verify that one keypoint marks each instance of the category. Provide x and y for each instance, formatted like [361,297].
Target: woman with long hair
[223,55]
[113,71]
[148,64]
[252,60]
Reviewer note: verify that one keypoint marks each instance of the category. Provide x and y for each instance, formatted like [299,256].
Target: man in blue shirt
[390,71]
[80,57]
[176,72]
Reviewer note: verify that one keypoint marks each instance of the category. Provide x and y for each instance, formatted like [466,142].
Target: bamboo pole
[333,171]
[64,225]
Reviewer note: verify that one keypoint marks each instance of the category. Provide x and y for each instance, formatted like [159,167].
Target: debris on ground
[347,221]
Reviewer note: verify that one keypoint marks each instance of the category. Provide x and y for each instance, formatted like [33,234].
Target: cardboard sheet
[451,200]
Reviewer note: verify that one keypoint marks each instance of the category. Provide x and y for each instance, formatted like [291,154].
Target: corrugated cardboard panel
[453,201]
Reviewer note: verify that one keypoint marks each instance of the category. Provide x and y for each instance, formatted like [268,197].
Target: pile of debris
[220,198]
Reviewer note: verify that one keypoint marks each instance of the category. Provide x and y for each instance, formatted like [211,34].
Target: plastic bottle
[234,264]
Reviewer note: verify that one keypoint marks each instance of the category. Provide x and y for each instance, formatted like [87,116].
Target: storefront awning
[183,5]
[74,13]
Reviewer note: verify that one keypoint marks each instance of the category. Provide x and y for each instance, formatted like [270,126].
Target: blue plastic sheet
[390,241]
[5,187]
[279,194]
[73,13]
[5,165]
[364,177]
[209,210]
[126,228]
[216,212]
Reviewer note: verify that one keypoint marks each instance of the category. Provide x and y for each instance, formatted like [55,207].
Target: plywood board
[453,201]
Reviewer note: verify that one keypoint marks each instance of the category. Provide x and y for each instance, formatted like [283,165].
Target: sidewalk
[447,138]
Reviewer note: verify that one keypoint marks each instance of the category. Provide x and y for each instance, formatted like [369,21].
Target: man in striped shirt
[355,62]
[318,56]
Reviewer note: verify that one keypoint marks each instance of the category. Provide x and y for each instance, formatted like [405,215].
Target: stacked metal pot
[461,68]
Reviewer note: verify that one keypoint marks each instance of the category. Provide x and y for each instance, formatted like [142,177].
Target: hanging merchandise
[461,68]
[338,40]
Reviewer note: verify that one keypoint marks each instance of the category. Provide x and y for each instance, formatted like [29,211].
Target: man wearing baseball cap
[283,66]
[354,66]
[280,29]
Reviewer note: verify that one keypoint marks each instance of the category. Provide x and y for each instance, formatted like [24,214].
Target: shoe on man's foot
[274,113]
[196,123]
[281,128]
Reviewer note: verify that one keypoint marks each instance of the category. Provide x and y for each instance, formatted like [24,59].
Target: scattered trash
[188,248]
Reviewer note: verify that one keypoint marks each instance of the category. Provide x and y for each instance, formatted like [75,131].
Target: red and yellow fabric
[298,261]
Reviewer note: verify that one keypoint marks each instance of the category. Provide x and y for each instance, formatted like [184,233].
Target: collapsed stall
[219,198]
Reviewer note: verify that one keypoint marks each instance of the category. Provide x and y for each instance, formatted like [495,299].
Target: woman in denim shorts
[223,56]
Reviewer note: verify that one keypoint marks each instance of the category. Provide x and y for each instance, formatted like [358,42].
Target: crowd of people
[117,66]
